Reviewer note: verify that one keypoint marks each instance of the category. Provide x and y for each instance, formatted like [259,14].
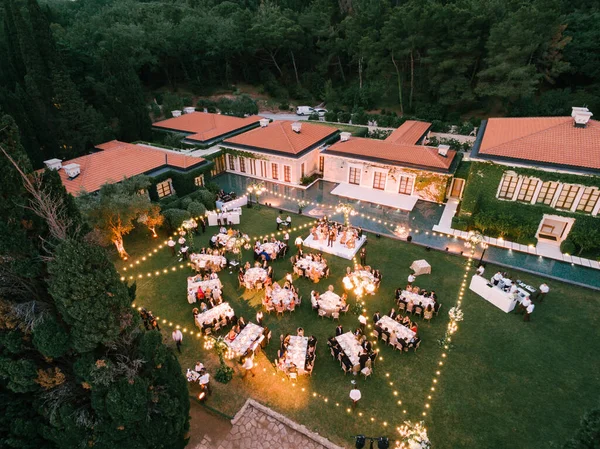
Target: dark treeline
[77,71]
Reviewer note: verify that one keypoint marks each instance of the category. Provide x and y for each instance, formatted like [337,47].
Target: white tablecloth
[391,325]
[246,338]
[210,284]
[254,275]
[222,310]
[208,260]
[307,264]
[420,267]
[296,352]
[281,296]
[329,302]
[233,204]
[270,248]
[418,300]
[350,346]
[231,217]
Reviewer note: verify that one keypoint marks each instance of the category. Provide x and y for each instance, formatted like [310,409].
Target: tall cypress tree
[76,368]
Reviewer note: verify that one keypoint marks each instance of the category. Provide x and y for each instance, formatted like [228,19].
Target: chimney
[53,164]
[443,150]
[581,116]
[296,127]
[189,110]
[345,136]
[176,113]
[72,170]
[264,122]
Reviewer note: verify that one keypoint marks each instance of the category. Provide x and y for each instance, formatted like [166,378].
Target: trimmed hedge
[183,183]
[516,221]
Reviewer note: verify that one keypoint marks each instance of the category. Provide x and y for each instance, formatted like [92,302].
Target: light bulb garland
[411,435]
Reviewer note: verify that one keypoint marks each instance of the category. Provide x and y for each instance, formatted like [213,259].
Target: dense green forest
[78,72]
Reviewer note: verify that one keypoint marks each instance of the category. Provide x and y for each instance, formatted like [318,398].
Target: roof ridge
[286,136]
[527,136]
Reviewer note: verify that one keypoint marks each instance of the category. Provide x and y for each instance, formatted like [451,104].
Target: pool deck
[393,200]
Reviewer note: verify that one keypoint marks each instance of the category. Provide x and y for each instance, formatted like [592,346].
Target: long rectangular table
[391,325]
[350,346]
[246,338]
[418,300]
[296,352]
[483,287]
[218,312]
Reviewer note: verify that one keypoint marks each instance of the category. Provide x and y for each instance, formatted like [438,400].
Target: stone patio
[258,427]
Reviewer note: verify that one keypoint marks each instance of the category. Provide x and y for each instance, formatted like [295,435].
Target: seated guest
[195,313]
[357,332]
[231,335]
[406,321]
[312,341]
[362,359]
[300,332]
[203,307]
[367,346]
[241,322]
[398,293]
[344,307]
[414,328]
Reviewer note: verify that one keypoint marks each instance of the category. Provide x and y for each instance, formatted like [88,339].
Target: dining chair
[366,371]
[384,337]
[376,334]
[335,316]
[427,316]
[438,309]
[410,308]
[356,369]
[322,313]
[418,310]
[401,306]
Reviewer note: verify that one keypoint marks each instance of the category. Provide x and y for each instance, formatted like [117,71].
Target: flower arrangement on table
[360,282]
[414,436]
[456,314]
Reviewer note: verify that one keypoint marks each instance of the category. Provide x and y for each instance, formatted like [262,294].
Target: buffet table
[232,217]
[505,301]
[233,204]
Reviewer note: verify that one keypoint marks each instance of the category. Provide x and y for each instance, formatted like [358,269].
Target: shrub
[461,223]
[314,116]
[203,103]
[285,106]
[174,217]
[359,117]
[344,117]
[361,132]
[331,116]
[155,109]
[196,209]
[185,202]
[213,187]
[239,107]
[380,134]
[567,247]
[208,199]
[306,180]
[224,374]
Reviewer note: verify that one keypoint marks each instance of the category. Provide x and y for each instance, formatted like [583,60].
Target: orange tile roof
[409,133]
[204,126]
[119,160]
[278,136]
[551,140]
[411,155]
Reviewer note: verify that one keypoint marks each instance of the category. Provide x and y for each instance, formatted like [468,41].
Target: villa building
[284,152]
[550,161]
[113,161]
[203,128]
[395,172]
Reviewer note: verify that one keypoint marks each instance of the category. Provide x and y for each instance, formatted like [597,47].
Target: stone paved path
[258,427]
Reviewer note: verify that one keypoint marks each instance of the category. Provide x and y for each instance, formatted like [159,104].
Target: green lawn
[343,128]
[506,383]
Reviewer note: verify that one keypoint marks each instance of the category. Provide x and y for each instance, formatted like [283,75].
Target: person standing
[259,317]
[203,224]
[177,338]
[376,317]
[298,242]
[288,222]
[528,312]
[544,289]
[181,240]
[362,319]
[339,330]
[279,222]
[363,256]
[411,279]
[524,304]
[171,244]
[355,395]
[286,238]
[331,237]
[480,270]
[248,366]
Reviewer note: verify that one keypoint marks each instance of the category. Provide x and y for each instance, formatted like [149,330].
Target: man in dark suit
[376,317]
[392,314]
[339,330]
[362,359]
[363,256]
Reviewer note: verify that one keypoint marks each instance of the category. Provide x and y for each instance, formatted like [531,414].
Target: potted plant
[301,205]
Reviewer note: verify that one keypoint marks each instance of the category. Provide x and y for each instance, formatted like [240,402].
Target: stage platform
[337,249]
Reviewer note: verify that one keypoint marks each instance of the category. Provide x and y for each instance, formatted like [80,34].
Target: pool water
[399,224]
